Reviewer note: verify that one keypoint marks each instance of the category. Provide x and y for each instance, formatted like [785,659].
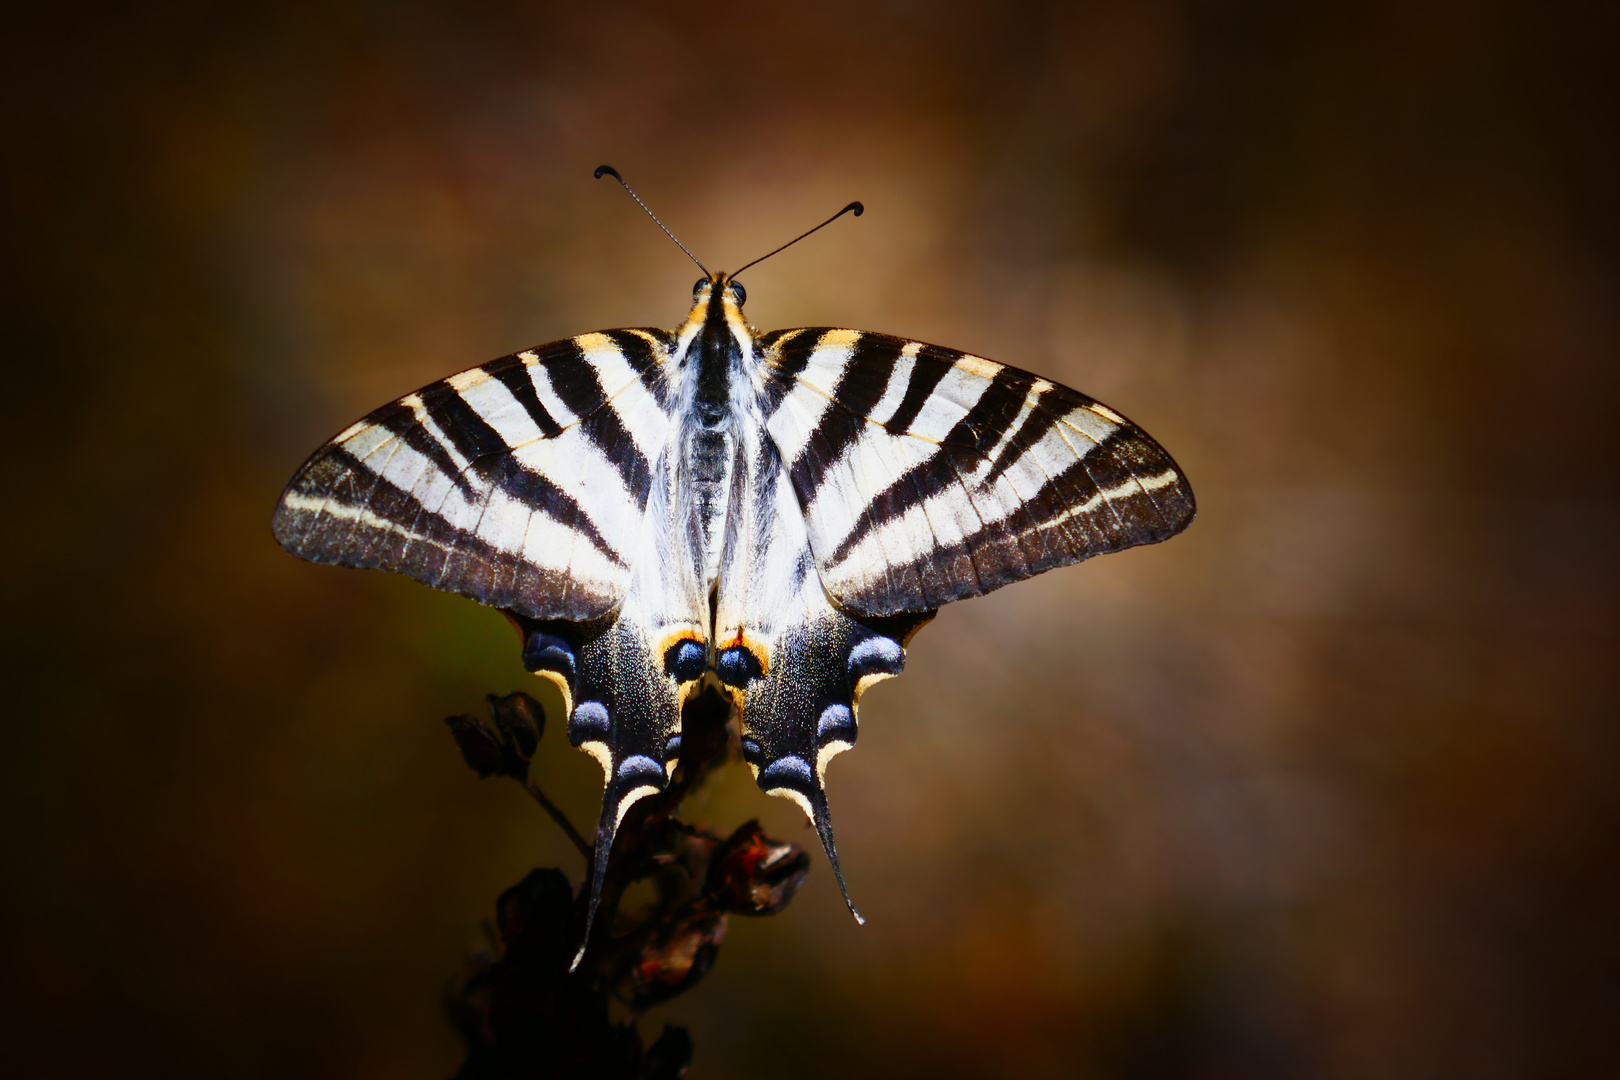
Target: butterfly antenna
[854,207]
[608,170]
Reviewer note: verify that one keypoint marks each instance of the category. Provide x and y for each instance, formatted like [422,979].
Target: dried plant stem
[559,817]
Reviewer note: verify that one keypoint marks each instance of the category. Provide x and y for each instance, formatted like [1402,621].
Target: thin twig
[559,817]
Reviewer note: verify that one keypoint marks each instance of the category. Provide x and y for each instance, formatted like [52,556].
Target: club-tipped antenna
[854,206]
[609,170]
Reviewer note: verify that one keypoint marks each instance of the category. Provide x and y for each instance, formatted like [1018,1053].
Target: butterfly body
[780,512]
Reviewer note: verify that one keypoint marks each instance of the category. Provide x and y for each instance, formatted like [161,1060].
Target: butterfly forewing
[520,483]
[927,475]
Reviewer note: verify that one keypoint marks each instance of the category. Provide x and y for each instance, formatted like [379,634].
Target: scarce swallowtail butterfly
[776,512]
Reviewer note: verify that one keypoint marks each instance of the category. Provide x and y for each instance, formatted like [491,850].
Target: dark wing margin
[520,483]
[928,475]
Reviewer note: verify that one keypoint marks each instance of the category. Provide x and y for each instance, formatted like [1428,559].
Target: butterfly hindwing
[793,663]
[520,483]
[623,681]
[928,475]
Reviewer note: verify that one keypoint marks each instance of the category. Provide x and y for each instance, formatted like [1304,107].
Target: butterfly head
[718,301]
[718,285]
[717,312]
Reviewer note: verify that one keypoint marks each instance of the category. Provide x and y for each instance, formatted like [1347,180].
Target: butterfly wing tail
[800,712]
[623,709]
[823,823]
[632,781]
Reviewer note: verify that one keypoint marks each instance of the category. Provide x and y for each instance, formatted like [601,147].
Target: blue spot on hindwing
[639,769]
[788,772]
[837,724]
[590,723]
[737,666]
[686,660]
[876,656]
[548,652]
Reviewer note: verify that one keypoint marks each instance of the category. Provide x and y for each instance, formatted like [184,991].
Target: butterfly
[777,513]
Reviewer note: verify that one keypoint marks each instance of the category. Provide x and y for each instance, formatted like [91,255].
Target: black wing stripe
[534,490]
[573,379]
[1040,420]
[400,421]
[489,457]
[351,491]
[639,352]
[999,553]
[607,432]
[842,423]
[578,384]
[983,426]
[986,424]
[643,357]
[513,374]
[930,367]
[791,358]
[472,436]
[636,350]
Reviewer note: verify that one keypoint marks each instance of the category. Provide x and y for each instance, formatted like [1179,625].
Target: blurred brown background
[1326,787]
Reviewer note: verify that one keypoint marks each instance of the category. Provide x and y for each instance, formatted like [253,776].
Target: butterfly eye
[738,293]
[697,286]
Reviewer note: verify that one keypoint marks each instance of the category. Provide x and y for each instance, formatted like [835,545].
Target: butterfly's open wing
[927,475]
[520,483]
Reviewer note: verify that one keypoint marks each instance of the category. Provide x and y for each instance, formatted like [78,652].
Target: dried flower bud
[479,746]
[507,749]
[520,720]
[678,956]
[751,874]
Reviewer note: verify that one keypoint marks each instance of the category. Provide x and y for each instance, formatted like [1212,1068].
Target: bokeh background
[1327,787]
